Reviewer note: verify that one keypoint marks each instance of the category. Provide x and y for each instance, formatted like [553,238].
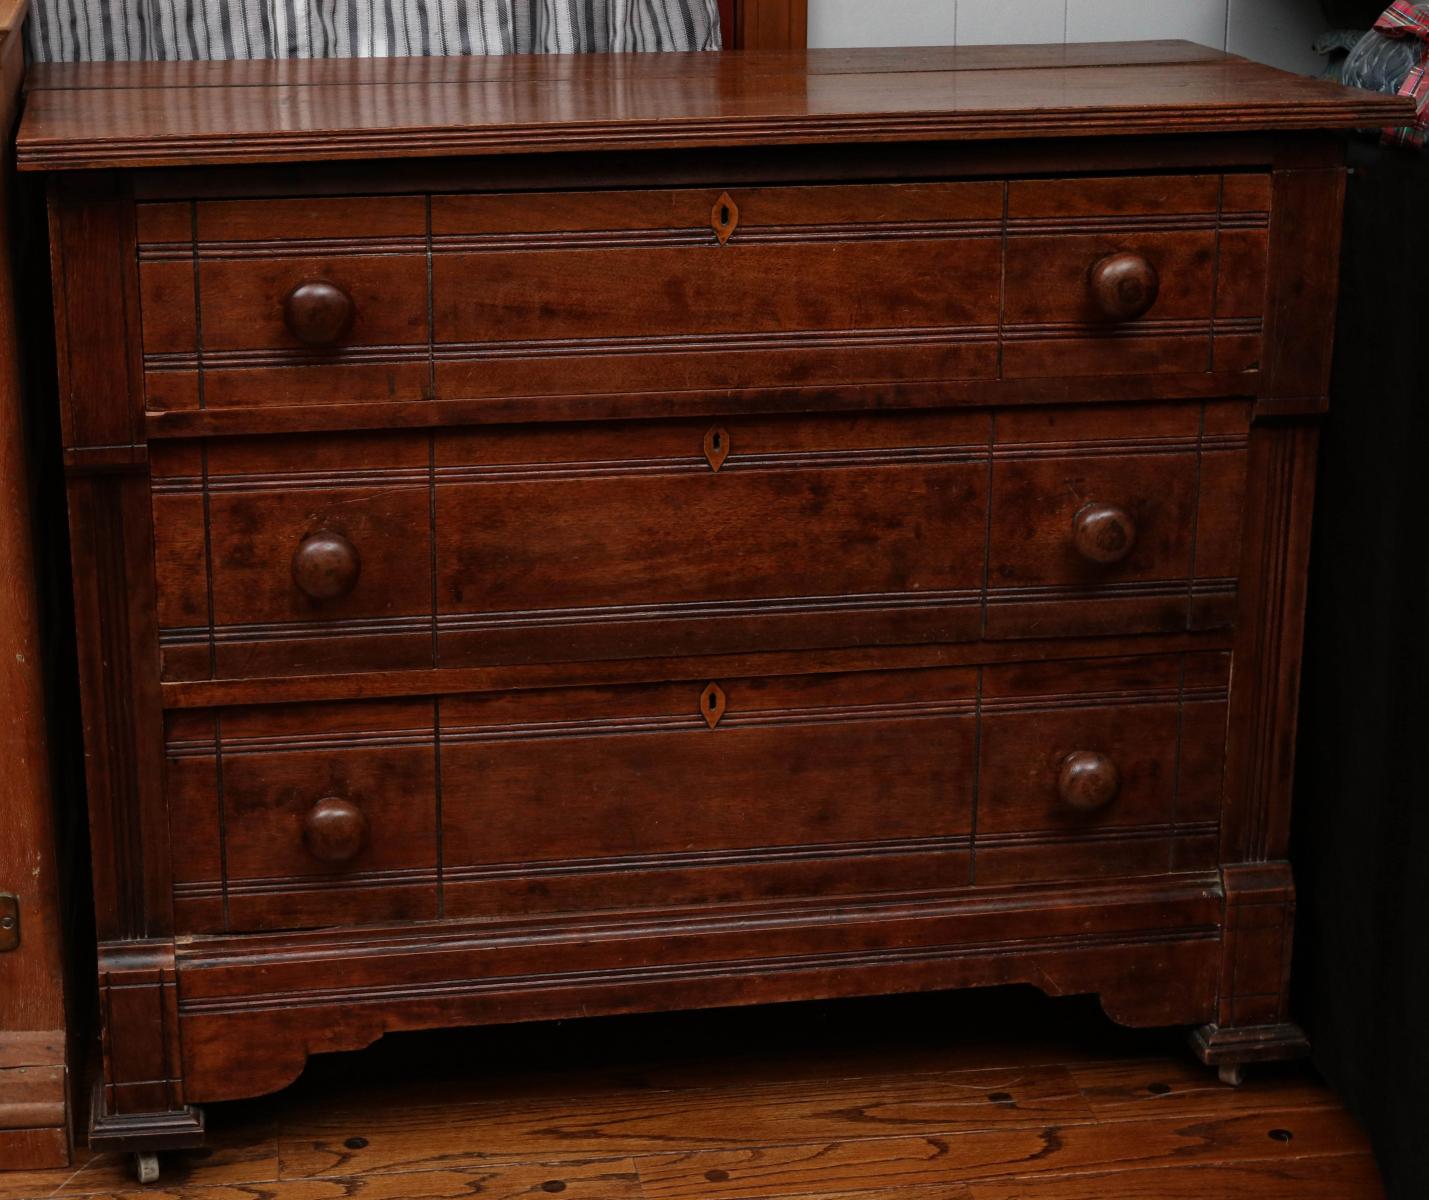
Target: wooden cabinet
[703,533]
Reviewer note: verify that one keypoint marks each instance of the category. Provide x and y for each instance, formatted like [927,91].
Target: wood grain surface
[152,114]
[918,1098]
[577,543]
[902,283]
[685,577]
[34,1086]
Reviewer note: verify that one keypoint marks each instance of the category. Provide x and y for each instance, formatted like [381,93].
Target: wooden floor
[998,1095]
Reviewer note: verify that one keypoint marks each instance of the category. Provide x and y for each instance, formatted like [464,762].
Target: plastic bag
[1381,64]
[1393,57]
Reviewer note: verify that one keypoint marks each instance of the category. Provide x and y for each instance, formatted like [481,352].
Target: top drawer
[348,299]
[219,329]
[1150,275]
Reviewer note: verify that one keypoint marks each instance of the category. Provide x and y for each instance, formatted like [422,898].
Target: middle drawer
[504,545]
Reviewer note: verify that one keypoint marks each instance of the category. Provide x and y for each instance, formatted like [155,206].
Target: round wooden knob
[335,830]
[1088,780]
[326,566]
[1103,533]
[1125,286]
[318,313]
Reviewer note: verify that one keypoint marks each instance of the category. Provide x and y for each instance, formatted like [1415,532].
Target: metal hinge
[9,921]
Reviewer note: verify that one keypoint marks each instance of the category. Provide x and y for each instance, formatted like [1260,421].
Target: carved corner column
[1251,1024]
[138,1103]
[1252,1019]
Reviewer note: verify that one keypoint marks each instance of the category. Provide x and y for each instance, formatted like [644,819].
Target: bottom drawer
[693,794]
[705,793]
[303,815]
[1100,768]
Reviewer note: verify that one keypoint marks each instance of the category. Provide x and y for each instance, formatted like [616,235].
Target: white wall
[1279,32]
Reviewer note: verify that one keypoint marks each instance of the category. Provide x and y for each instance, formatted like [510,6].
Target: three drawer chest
[574,535]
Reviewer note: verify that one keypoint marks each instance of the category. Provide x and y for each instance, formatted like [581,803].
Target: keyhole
[716,447]
[724,216]
[711,705]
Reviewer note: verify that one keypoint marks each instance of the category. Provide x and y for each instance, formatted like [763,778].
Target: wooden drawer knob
[318,313]
[1088,780]
[1103,533]
[1125,286]
[326,566]
[335,830]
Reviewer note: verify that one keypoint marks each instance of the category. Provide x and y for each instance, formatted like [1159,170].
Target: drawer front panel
[1108,767]
[1169,481]
[680,794]
[801,788]
[1204,238]
[625,291]
[508,545]
[214,278]
[232,520]
[809,285]
[310,816]
[601,541]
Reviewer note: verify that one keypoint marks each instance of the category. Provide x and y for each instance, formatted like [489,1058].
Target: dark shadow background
[1361,834]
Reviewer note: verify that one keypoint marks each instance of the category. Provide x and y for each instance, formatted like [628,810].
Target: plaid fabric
[1405,20]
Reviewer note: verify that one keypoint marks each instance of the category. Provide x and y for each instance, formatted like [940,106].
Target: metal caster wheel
[1232,1074]
[146,1168]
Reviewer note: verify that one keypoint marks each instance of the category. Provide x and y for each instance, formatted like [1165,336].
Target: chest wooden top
[92,115]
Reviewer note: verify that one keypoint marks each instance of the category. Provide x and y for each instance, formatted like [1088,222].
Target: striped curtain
[97,30]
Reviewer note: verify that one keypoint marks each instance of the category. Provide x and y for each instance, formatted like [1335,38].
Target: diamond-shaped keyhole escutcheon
[712,704]
[724,216]
[716,447]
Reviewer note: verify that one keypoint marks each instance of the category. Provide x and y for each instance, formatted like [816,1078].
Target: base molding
[34,1149]
[34,1100]
[1215,1045]
[181,1129]
[1148,949]
[139,1103]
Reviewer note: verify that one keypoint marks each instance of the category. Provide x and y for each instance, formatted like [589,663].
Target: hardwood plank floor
[998,1095]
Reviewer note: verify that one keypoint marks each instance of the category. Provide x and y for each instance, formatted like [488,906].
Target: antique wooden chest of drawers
[587,535]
